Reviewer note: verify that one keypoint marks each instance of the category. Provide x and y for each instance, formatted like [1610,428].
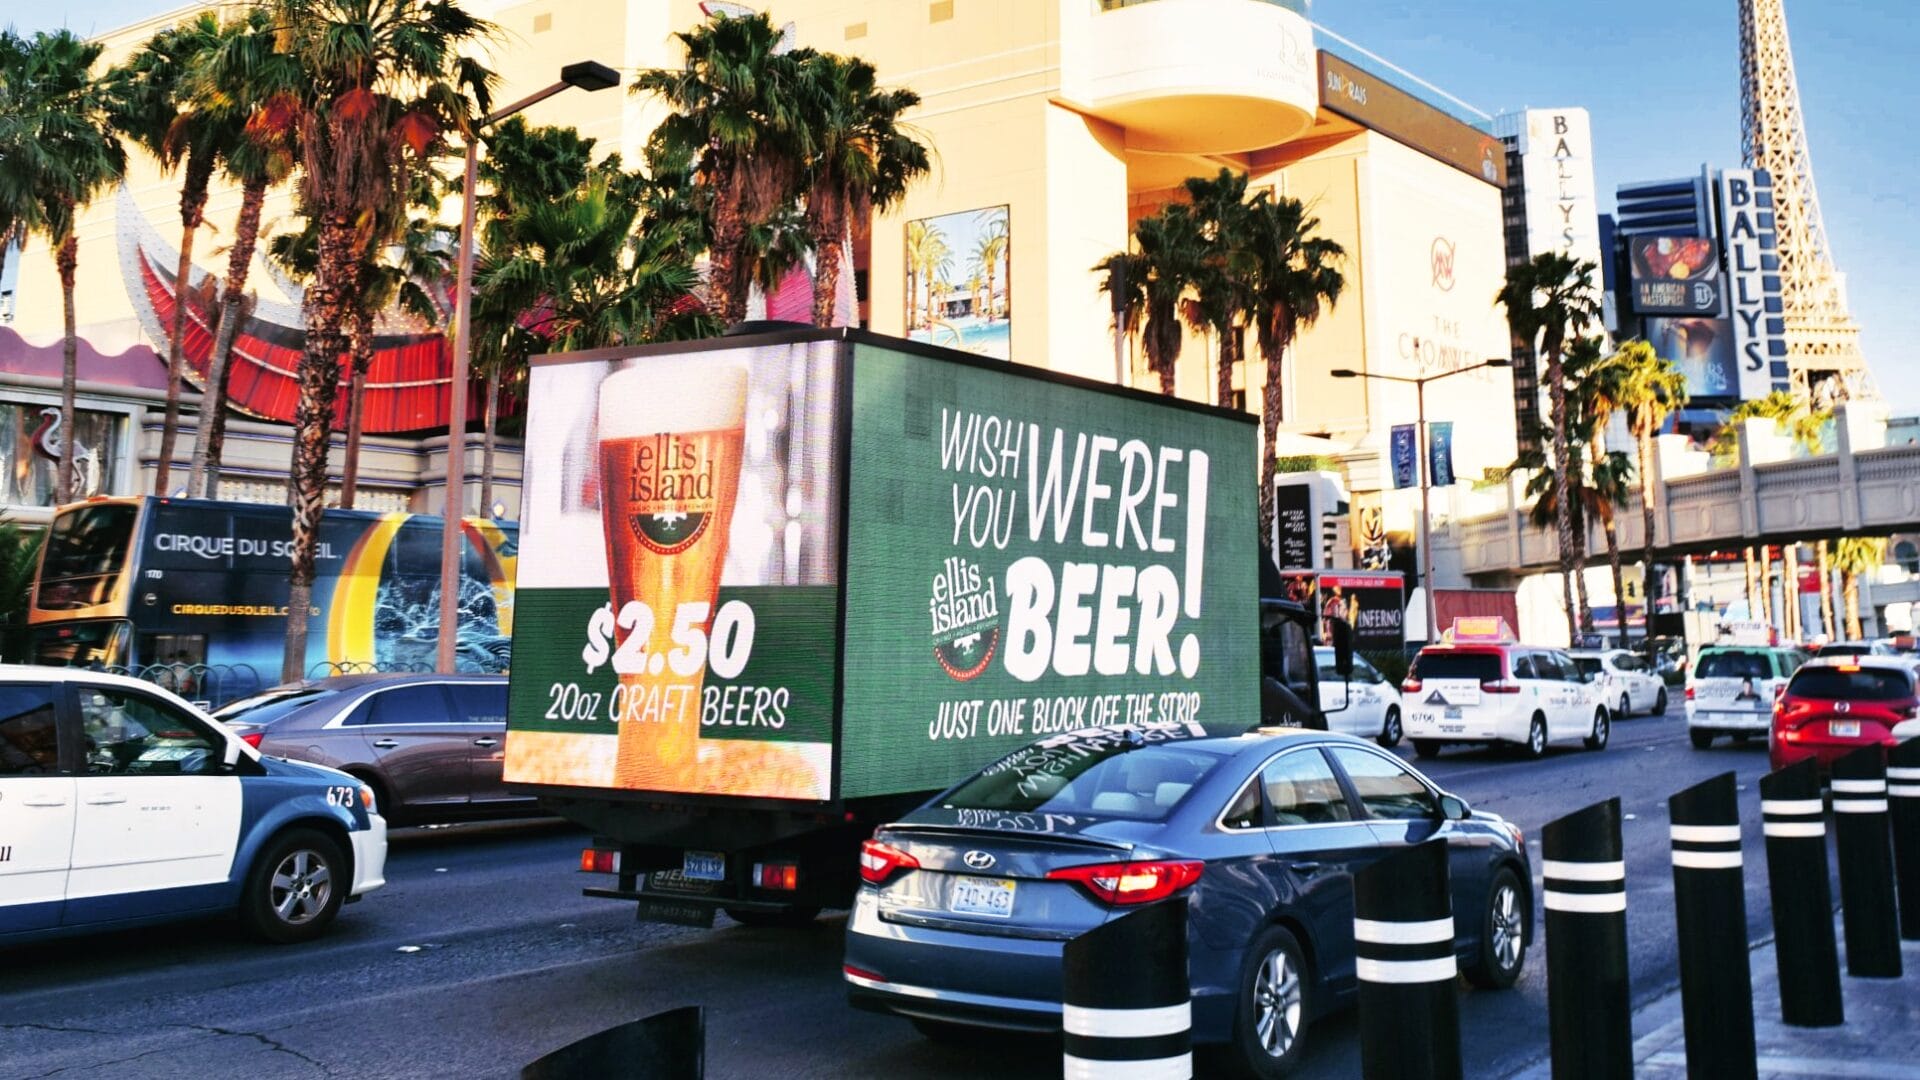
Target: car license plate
[982,896]
[704,865]
[1844,729]
[1453,712]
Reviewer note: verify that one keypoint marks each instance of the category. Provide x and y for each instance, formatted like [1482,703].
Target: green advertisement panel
[679,574]
[1027,557]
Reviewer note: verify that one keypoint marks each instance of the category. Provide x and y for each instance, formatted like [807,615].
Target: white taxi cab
[121,805]
[1479,686]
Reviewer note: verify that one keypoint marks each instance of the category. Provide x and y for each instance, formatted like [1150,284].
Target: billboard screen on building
[958,287]
[1026,557]
[679,579]
[1703,350]
[1369,100]
[1675,275]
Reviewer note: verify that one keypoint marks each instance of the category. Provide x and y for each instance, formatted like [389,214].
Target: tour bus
[193,594]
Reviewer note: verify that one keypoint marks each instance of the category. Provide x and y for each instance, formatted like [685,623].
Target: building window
[856,31]
[940,11]
[542,22]
[30,440]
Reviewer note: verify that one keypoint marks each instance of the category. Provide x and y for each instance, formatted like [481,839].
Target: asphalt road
[481,955]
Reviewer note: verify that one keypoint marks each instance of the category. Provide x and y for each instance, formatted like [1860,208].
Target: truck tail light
[879,861]
[599,861]
[782,876]
[1131,882]
[1500,686]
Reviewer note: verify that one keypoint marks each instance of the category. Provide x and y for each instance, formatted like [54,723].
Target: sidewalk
[1879,1041]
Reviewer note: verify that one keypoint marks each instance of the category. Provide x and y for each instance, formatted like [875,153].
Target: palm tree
[1792,416]
[151,104]
[1647,388]
[1294,277]
[862,159]
[1152,284]
[382,80]
[1549,301]
[57,151]
[1854,556]
[928,258]
[1823,557]
[19,562]
[739,114]
[248,75]
[987,252]
[1222,302]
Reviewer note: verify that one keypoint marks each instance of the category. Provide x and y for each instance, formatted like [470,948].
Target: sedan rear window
[1733,665]
[1478,666]
[1138,773]
[1865,684]
[264,709]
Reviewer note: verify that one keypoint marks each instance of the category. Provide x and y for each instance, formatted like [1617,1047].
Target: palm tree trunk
[1850,588]
[1229,355]
[67,262]
[1790,590]
[1766,583]
[212,430]
[1563,506]
[328,306]
[829,229]
[489,427]
[1822,553]
[1619,579]
[1650,583]
[362,350]
[726,294]
[1270,402]
[1753,585]
[193,206]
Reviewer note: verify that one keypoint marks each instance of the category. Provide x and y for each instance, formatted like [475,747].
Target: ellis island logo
[965,610]
[1442,256]
[677,471]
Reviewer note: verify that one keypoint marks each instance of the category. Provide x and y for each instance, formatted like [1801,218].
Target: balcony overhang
[1195,76]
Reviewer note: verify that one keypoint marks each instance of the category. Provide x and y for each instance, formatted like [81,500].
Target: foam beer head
[672,394]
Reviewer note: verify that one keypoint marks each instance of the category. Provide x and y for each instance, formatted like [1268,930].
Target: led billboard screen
[1675,275]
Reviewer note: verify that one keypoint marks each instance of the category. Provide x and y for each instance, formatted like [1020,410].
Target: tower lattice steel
[1823,341]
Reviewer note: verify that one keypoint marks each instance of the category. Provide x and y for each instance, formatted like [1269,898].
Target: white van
[1502,692]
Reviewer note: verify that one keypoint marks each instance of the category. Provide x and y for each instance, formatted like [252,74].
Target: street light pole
[586,75]
[1423,466]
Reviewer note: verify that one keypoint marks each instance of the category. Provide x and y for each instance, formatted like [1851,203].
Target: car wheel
[1426,748]
[1602,730]
[1700,739]
[1626,708]
[1660,702]
[295,887]
[1536,746]
[1270,1020]
[1496,964]
[1390,731]
[787,918]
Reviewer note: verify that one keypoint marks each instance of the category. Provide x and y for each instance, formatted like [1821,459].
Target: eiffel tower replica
[1823,341]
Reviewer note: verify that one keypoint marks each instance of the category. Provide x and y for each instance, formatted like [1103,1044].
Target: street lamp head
[1498,361]
[589,75]
[1344,373]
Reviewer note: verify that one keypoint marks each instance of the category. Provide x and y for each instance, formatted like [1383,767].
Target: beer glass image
[671,437]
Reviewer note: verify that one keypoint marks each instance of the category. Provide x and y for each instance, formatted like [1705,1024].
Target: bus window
[81,644]
[88,549]
[171,658]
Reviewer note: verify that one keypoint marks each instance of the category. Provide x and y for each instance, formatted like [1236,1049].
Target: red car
[1835,706]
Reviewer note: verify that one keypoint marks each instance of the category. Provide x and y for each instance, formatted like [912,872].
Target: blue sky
[1662,80]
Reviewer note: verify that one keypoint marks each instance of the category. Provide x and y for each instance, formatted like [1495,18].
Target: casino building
[1056,125]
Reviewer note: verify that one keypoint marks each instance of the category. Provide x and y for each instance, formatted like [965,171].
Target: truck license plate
[982,896]
[1844,729]
[704,865]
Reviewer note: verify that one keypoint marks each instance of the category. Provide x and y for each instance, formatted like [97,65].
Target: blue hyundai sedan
[966,902]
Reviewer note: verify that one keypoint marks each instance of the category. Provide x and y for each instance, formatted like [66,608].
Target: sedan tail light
[1689,693]
[1131,882]
[253,738]
[1500,686]
[879,861]
[1410,685]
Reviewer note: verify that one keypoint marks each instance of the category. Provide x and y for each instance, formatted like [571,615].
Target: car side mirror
[230,755]
[1454,808]
[1342,632]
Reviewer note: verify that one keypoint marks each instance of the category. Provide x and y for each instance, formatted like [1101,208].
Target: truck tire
[787,918]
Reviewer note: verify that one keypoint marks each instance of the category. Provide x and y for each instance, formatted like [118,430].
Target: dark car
[1836,705]
[431,746]
[967,901]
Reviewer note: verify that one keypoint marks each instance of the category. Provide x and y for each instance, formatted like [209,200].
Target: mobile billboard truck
[776,589]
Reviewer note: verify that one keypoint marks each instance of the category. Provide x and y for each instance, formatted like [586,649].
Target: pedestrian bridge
[1863,488]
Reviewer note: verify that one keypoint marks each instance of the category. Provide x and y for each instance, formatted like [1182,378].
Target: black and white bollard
[1589,1008]
[1710,909]
[1866,864]
[669,1045]
[1403,955]
[1793,817]
[1903,805]
[1126,1009]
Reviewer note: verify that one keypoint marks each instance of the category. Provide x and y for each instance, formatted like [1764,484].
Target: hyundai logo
[1838,706]
[978,860]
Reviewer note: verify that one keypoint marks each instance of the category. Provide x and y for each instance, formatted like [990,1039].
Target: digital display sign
[1367,99]
[1675,275]
[1027,557]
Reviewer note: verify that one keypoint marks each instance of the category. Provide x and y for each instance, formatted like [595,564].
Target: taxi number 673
[342,796]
